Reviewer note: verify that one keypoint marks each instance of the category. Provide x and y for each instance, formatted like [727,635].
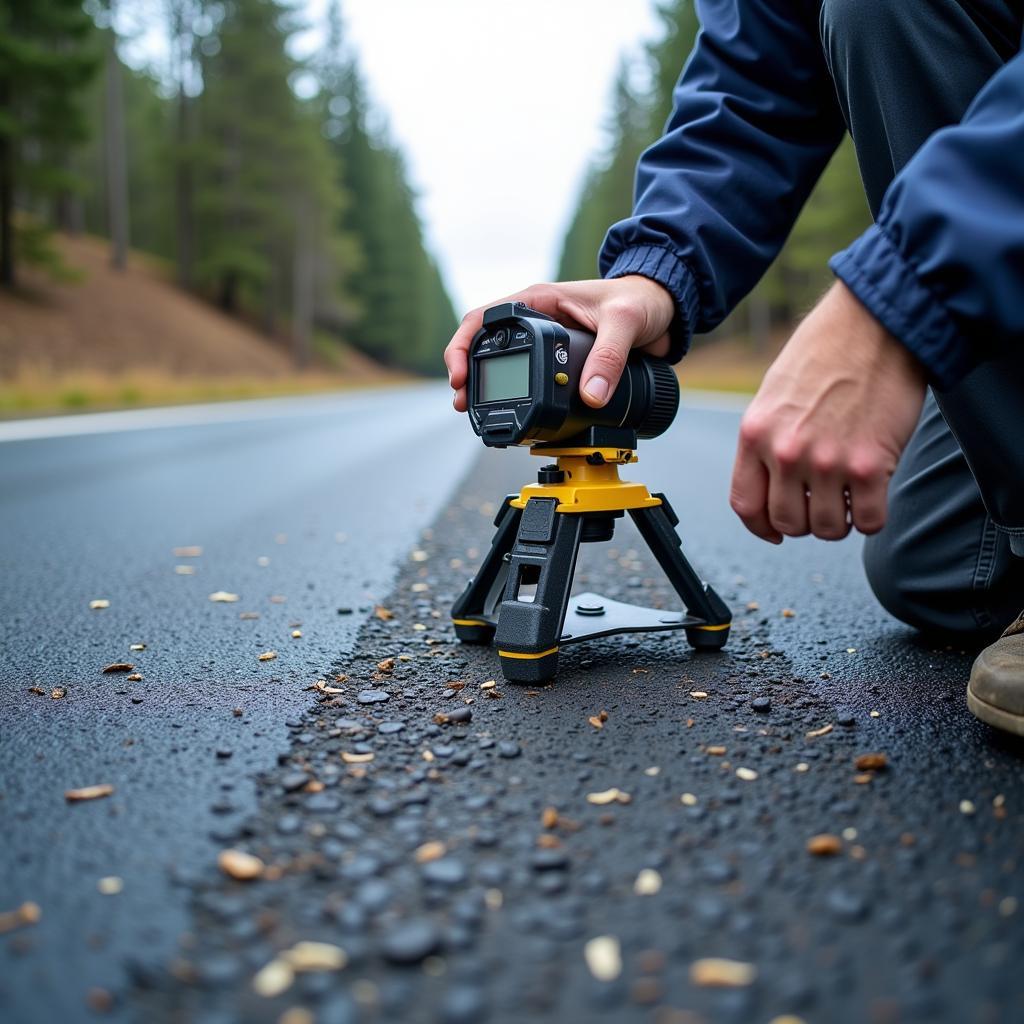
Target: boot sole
[997,717]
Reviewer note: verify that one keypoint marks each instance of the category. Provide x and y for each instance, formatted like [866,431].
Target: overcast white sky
[497,105]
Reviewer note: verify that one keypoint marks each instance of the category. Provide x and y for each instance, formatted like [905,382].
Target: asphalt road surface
[588,850]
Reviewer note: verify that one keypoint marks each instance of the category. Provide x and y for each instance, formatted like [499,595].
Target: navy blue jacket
[755,122]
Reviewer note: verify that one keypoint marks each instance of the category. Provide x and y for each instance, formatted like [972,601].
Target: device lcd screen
[503,377]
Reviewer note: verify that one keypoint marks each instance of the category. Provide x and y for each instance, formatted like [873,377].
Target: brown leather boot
[995,693]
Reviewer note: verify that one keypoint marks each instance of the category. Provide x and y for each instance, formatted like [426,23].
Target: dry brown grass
[31,393]
[130,339]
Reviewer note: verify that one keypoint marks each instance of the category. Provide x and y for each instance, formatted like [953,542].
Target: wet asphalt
[301,508]
[467,852]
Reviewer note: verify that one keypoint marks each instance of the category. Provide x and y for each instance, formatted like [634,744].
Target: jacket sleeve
[755,120]
[943,268]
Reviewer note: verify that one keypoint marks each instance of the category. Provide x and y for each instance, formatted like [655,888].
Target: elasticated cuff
[888,285]
[665,267]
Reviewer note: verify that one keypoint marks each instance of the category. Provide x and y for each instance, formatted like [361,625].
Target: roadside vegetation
[267,186]
[124,338]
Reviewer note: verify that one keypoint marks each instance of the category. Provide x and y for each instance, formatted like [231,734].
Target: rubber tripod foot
[529,670]
[482,634]
[703,639]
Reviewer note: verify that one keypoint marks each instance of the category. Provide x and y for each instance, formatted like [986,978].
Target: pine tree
[264,181]
[608,190]
[667,57]
[637,118]
[114,146]
[148,130]
[403,314]
[185,18]
[46,60]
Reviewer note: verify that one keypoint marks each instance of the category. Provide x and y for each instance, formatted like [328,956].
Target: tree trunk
[271,293]
[303,285]
[183,193]
[117,178]
[182,15]
[229,291]
[68,214]
[6,214]
[6,198]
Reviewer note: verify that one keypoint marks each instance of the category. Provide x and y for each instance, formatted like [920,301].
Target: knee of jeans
[864,26]
[901,585]
[882,574]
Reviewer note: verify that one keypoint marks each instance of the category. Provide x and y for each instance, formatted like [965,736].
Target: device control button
[501,337]
[521,335]
[562,378]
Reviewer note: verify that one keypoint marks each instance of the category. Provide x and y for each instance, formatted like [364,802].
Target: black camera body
[524,377]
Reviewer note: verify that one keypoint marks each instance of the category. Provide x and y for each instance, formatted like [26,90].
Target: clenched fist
[822,437]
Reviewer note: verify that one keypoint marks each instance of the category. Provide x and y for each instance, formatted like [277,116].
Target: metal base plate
[591,615]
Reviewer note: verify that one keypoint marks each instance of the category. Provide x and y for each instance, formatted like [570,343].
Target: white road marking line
[74,425]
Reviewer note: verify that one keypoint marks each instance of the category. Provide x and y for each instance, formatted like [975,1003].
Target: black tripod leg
[543,561]
[657,527]
[472,609]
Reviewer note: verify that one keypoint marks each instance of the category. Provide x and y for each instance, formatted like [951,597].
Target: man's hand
[625,313]
[822,437]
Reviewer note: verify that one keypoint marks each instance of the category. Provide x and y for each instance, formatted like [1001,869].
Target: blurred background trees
[269,187]
[835,214]
[267,183]
[47,55]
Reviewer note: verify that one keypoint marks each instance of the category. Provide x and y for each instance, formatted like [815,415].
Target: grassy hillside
[114,339]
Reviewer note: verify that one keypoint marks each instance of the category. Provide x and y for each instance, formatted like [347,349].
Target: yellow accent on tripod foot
[589,487]
[470,622]
[525,657]
[724,625]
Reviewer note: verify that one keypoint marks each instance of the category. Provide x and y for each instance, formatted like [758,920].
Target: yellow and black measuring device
[524,371]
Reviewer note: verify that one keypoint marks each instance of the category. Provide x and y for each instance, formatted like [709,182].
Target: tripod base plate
[591,615]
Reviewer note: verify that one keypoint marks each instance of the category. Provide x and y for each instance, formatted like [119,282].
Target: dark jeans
[945,560]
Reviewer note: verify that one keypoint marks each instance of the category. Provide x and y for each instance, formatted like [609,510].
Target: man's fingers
[868,504]
[748,495]
[621,313]
[619,327]
[827,510]
[544,298]
[787,504]
[455,355]
[456,361]
[787,476]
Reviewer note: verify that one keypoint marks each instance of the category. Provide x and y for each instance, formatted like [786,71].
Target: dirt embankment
[127,338]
